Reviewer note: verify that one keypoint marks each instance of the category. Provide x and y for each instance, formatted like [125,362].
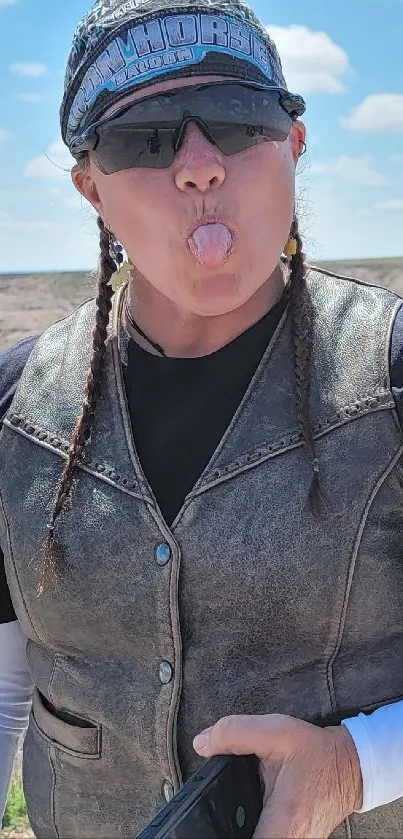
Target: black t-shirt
[179,408]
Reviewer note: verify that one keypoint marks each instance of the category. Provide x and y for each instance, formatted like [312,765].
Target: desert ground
[31,302]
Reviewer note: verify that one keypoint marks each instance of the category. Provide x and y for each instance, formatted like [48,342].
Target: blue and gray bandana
[123,46]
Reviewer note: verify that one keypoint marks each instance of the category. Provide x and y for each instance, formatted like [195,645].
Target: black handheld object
[223,800]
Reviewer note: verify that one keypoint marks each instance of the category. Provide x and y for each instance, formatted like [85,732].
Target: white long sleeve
[15,700]
[378,738]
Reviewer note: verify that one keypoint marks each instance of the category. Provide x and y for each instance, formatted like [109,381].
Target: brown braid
[51,559]
[302,346]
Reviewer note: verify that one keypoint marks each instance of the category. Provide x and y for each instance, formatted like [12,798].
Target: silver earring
[115,249]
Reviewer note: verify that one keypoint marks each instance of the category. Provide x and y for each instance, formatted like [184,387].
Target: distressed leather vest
[247,604]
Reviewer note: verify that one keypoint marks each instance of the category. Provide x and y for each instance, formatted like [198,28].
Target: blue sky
[345,57]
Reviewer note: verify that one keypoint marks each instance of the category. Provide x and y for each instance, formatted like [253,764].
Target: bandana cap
[120,47]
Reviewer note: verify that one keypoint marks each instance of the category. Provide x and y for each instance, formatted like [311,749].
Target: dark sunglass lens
[128,147]
[232,139]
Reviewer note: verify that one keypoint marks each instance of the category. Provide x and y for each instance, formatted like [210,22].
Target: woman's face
[154,212]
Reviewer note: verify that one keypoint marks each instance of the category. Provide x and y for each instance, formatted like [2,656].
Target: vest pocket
[76,736]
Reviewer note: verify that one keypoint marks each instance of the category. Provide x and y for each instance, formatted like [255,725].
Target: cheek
[272,194]
[130,207]
[266,192]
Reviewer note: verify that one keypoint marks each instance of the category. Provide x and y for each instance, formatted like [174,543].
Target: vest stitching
[366,405]
[47,440]
[350,574]
[293,441]
[253,460]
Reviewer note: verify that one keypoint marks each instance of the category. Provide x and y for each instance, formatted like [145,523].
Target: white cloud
[392,205]
[54,165]
[312,62]
[396,158]
[30,69]
[30,97]
[8,222]
[379,114]
[7,3]
[354,170]
[3,134]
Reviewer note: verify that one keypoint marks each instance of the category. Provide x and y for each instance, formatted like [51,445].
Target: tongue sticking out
[211,244]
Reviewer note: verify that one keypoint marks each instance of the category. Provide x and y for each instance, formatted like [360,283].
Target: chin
[218,295]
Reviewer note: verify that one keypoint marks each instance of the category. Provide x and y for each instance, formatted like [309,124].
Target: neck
[182,334]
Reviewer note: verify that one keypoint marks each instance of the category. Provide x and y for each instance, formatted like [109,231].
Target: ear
[83,180]
[297,139]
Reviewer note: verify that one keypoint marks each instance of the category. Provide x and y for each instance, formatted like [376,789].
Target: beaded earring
[116,251]
[291,248]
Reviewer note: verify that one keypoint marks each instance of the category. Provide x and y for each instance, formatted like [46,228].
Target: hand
[312,776]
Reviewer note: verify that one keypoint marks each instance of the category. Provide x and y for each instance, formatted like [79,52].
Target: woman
[201,493]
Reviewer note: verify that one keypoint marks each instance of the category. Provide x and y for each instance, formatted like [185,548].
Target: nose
[199,163]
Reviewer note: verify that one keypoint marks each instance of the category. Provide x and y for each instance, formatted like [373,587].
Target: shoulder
[48,358]
[351,288]
[51,387]
[65,331]
[12,362]
[351,312]
[372,303]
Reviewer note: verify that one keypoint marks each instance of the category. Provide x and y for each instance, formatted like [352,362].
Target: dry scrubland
[31,302]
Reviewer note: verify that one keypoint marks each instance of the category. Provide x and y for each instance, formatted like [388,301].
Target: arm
[15,700]
[378,739]
[15,681]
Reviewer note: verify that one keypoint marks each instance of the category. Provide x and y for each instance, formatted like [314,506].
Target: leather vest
[246,604]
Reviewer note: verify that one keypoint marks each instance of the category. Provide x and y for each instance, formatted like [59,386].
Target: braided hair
[51,560]
[301,326]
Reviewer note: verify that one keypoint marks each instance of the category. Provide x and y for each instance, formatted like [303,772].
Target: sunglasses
[148,133]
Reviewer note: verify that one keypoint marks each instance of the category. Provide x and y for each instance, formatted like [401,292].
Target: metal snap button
[240,817]
[167,791]
[163,554]
[166,672]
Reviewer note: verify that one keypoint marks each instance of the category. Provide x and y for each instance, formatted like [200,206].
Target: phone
[223,800]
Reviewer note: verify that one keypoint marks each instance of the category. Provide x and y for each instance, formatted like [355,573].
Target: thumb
[265,736]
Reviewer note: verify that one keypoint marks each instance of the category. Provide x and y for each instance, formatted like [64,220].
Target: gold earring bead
[291,248]
[120,277]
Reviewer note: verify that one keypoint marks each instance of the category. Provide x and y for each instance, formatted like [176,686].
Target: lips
[210,244]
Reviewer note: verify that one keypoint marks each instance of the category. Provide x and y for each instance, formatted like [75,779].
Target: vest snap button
[166,672]
[163,554]
[167,791]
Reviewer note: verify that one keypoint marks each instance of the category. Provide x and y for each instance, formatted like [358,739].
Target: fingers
[304,769]
[265,736]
